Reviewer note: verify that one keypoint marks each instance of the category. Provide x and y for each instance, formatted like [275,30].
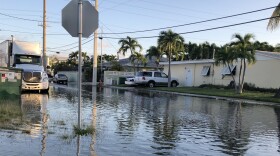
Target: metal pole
[94,68]
[101,60]
[80,61]
[44,37]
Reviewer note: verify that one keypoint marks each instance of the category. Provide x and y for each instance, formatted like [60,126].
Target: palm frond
[273,23]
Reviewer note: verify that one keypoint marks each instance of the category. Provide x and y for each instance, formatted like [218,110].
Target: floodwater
[137,124]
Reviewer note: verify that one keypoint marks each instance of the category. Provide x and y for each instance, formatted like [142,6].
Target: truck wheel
[173,84]
[151,84]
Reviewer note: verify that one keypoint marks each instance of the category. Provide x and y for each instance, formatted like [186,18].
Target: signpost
[80,19]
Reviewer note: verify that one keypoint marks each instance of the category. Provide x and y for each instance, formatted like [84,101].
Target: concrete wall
[112,77]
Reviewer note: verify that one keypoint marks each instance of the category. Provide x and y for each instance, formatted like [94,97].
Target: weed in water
[88,130]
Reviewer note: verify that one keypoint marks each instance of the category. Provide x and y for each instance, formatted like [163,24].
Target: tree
[273,23]
[74,58]
[226,57]
[138,58]
[129,44]
[277,48]
[156,53]
[116,66]
[244,51]
[263,46]
[170,43]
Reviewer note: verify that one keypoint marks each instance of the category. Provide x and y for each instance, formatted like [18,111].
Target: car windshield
[61,75]
[27,59]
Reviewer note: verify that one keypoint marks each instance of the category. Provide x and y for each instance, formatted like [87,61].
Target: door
[189,78]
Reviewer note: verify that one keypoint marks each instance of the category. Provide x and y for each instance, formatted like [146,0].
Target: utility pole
[44,37]
[101,67]
[94,68]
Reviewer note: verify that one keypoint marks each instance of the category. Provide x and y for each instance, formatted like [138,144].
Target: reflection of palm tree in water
[277,113]
[165,131]
[233,132]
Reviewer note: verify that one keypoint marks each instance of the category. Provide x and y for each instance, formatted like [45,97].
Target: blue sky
[131,15]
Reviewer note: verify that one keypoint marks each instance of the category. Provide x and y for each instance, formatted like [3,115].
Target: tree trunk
[134,68]
[169,71]
[239,82]
[235,86]
[277,94]
[243,77]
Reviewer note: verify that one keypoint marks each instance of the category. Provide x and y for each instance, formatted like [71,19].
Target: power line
[148,30]
[26,19]
[214,19]
[189,32]
[202,30]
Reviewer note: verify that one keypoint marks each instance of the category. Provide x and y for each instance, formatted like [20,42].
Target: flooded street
[136,124]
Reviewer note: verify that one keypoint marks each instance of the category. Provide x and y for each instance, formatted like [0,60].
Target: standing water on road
[128,123]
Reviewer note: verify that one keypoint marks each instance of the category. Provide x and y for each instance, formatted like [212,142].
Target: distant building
[264,73]
[55,59]
[128,66]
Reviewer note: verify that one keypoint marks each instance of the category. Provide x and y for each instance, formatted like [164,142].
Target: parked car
[130,81]
[60,78]
[154,78]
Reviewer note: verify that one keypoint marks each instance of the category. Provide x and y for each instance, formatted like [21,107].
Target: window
[226,71]
[164,75]
[205,71]
[157,74]
[27,59]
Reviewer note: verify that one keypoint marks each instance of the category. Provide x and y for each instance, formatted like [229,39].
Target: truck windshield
[27,59]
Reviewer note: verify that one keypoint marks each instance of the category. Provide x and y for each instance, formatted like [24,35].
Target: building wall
[264,73]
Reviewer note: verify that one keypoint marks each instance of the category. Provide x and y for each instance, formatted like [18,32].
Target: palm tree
[156,53]
[170,43]
[138,58]
[74,57]
[273,23]
[226,56]
[129,44]
[244,51]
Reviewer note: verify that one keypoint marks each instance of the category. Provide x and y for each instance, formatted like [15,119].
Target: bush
[252,87]
[211,86]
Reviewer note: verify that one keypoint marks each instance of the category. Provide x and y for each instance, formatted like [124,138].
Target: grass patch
[84,132]
[9,111]
[222,92]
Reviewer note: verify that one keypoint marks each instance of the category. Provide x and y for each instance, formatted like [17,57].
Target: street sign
[70,18]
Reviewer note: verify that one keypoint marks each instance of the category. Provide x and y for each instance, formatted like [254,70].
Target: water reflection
[128,123]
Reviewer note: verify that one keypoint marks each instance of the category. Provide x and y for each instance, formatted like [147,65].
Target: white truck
[28,57]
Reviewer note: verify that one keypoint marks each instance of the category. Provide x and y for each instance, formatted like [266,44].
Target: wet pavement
[132,124]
